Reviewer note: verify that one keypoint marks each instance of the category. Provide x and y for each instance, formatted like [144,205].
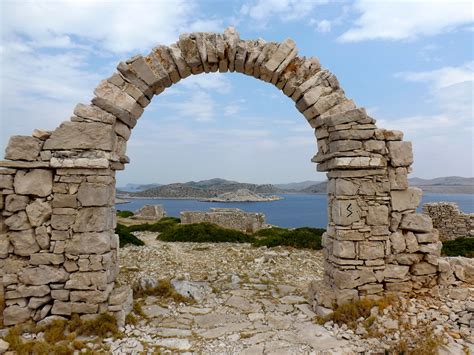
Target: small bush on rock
[304,237]
[125,237]
[204,232]
[124,214]
[161,226]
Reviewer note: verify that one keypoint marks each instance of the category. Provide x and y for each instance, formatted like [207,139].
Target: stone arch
[58,250]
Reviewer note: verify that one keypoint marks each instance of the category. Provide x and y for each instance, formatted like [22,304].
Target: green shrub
[161,226]
[203,232]
[304,237]
[124,214]
[125,237]
[463,246]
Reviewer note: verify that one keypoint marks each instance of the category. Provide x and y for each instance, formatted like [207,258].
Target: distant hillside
[137,187]
[447,185]
[296,186]
[203,189]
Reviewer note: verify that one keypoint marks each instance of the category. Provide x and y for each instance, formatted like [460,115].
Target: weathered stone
[416,222]
[396,271]
[431,237]
[119,295]
[81,135]
[411,242]
[46,258]
[109,95]
[371,250]
[431,248]
[24,242]
[406,199]
[15,203]
[375,146]
[398,178]
[43,275]
[42,237]
[62,222]
[353,278]
[16,315]
[64,200]
[37,302]
[344,145]
[23,148]
[94,113]
[400,153]
[345,212]
[60,295]
[90,194]
[6,182]
[94,219]
[408,259]
[344,249]
[397,241]
[62,308]
[33,291]
[377,215]
[87,281]
[88,243]
[37,182]
[423,269]
[38,212]
[18,221]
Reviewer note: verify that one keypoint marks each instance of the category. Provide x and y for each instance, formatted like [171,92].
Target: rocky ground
[251,300]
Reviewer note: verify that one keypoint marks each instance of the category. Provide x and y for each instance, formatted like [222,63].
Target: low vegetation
[126,237]
[59,336]
[124,214]
[202,233]
[163,289]
[459,247]
[304,237]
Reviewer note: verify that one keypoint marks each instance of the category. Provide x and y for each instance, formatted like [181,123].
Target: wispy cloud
[286,10]
[406,20]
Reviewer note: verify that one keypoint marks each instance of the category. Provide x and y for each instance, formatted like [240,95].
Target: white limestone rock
[23,148]
[37,182]
[38,212]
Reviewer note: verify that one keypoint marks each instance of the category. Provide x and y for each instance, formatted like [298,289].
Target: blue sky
[409,63]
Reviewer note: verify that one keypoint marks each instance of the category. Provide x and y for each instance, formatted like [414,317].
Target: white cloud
[399,20]
[323,26]
[119,26]
[210,81]
[200,107]
[287,10]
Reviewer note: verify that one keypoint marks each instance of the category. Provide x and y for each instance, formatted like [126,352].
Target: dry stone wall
[233,218]
[58,249]
[449,220]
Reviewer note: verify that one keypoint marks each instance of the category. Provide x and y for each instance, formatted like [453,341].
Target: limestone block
[43,275]
[393,271]
[23,148]
[122,130]
[408,259]
[37,302]
[46,258]
[395,218]
[183,68]
[41,134]
[411,242]
[87,281]
[348,234]
[432,248]
[344,249]
[61,308]
[4,246]
[231,37]
[405,286]
[388,135]
[282,52]
[400,153]
[60,295]
[349,279]
[18,221]
[94,113]
[6,182]
[377,215]
[431,237]
[94,297]
[94,219]
[375,146]
[92,194]
[81,135]
[345,212]
[42,237]
[24,242]
[240,55]
[324,104]
[120,295]
[153,77]
[38,212]
[406,199]
[371,250]
[344,145]
[88,243]
[33,291]
[15,203]
[190,52]
[345,187]
[397,242]
[398,178]
[64,200]
[423,268]
[151,212]
[37,182]
[62,222]
[353,134]
[111,95]
[15,315]
[416,222]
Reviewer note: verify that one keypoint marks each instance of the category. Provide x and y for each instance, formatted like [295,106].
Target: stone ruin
[233,218]
[58,250]
[449,220]
[150,212]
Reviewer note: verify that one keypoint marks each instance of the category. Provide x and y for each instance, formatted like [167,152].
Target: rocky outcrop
[150,212]
[243,195]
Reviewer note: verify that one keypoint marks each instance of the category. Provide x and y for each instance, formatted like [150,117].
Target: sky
[409,63]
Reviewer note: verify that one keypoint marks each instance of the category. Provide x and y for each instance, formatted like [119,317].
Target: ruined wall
[233,218]
[449,220]
[58,251]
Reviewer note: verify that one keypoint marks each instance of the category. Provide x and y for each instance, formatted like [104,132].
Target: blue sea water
[295,210]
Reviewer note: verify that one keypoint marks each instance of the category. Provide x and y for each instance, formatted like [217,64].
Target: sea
[294,210]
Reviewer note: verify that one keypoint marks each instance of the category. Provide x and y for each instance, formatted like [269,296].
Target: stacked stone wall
[449,220]
[233,218]
[58,250]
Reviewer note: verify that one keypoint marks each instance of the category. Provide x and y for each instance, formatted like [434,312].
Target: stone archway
[58,249]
